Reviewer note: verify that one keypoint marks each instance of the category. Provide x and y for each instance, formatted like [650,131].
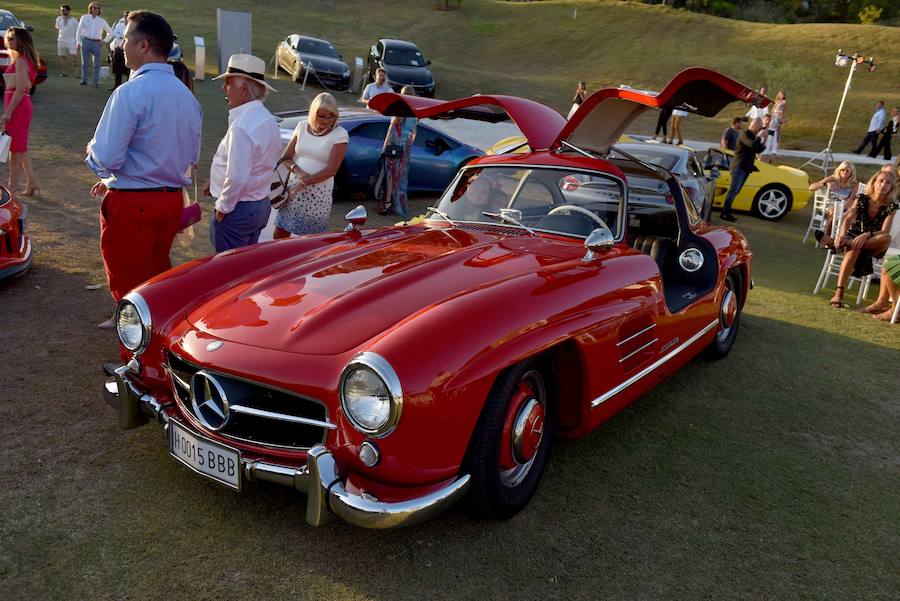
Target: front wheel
[511,442]
[729,317]
[772,202]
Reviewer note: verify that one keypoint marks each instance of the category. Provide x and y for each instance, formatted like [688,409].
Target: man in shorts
[66,45]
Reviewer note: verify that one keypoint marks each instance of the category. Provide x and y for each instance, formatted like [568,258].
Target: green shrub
[869,15]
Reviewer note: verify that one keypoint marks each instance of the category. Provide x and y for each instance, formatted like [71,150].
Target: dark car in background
[297,53]
[404,65]
[435,158]
[682,162]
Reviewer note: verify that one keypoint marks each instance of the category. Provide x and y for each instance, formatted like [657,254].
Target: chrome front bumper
[326,493]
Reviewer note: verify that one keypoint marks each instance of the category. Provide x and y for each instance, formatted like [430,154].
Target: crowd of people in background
[144,199]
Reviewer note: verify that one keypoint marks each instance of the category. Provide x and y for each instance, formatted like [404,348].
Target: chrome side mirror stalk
[356,218]
[598,240]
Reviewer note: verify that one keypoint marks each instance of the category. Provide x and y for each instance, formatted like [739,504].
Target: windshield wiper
[509,219]
[442,214]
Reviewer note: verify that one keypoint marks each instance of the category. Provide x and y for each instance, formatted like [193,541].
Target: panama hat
[247,65]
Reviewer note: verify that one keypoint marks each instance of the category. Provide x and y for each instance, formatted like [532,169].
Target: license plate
[204,456]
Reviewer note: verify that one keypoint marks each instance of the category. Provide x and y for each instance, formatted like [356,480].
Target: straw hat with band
[247,65]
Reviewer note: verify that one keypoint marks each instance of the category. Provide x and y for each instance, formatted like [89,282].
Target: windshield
[560,201]
[7,21]
[316,47]
[661,159]
[407,57]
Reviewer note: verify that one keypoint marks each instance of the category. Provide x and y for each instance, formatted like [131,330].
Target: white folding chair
[821,199]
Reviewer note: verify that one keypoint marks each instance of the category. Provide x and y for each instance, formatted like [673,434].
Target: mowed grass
[772,474]
[538,50]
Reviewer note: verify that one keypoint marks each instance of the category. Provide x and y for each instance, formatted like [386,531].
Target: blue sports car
[436,157]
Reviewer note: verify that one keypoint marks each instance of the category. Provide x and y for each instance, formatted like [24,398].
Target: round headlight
[133,323]
[370,394]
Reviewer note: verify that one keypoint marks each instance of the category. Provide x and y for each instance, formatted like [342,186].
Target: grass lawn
[772,474]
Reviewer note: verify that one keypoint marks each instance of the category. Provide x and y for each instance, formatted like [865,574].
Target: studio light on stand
[841,60]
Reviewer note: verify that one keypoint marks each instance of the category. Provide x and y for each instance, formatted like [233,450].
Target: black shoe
[82,83]
[727,217]
[110,368]
[818,235]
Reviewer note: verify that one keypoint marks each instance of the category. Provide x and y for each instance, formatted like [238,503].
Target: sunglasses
[327,116]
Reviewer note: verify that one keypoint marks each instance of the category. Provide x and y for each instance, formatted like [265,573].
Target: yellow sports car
[769,193]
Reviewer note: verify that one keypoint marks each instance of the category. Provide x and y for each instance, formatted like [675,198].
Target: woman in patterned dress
[401,132]
[316,151]
[866,230]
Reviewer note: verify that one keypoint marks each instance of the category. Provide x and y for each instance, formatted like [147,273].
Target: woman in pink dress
[19,78]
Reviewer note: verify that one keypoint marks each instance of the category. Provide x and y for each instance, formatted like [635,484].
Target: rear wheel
[772,202]
[511,443]
[729,317]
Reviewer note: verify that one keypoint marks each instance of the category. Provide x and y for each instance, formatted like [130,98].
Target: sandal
[885,316]
[837,301]
[873,308]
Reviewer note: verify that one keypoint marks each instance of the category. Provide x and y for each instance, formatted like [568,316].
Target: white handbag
[5,142]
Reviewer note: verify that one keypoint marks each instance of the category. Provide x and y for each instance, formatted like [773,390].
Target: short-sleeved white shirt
[311,153]
[66,29]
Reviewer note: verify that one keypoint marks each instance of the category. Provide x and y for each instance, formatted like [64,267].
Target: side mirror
[356,218]
[714,173]
[427,62]
[598,240]
[29,28]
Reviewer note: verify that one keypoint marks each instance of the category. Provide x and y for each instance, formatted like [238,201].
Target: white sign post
[199,58]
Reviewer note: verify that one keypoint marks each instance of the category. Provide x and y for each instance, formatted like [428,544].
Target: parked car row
[389,372]
[304,56]
[435,158]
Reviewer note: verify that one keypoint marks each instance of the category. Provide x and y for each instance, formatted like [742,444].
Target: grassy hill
[539,50]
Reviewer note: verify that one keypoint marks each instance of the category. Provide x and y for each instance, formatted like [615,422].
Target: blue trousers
[738,177]
[90,48]
[240,227]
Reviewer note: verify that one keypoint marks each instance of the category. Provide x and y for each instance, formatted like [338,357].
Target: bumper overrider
[326,493]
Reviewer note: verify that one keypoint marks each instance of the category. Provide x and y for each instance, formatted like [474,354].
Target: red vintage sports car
[15,246]
[387,373]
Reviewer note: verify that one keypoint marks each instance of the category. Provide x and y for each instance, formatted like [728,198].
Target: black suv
[403,64]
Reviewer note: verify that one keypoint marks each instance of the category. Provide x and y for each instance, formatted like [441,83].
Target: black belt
[91,39]
[160,189]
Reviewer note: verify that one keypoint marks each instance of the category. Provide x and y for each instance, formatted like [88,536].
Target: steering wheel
[577,209]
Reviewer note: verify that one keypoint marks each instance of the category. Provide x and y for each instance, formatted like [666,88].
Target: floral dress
[863,223]
[401,132]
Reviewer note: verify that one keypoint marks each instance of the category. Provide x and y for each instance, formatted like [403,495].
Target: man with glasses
[66,45]
[242,168]
[92,28]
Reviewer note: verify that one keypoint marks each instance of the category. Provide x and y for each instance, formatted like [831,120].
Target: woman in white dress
[316,151]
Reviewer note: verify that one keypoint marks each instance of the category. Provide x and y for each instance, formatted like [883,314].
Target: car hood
[416,76]
[331,300]
[324,63]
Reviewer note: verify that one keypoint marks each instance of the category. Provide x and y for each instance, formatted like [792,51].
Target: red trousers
[136,233]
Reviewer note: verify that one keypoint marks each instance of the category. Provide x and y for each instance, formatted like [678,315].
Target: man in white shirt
[379,86]
[66,46]
[875,125]
[243,167]
[92,28]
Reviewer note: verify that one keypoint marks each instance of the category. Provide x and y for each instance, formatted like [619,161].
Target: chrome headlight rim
[143,311]
[380,366]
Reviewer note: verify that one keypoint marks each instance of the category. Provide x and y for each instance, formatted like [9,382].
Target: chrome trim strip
[636,334]
[294,419]
[611,393]
[637,350]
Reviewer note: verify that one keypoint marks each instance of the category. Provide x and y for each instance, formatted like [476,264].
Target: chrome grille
[261,415]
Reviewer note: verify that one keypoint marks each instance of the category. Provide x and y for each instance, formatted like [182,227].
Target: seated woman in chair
[843,184]
[865,230]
